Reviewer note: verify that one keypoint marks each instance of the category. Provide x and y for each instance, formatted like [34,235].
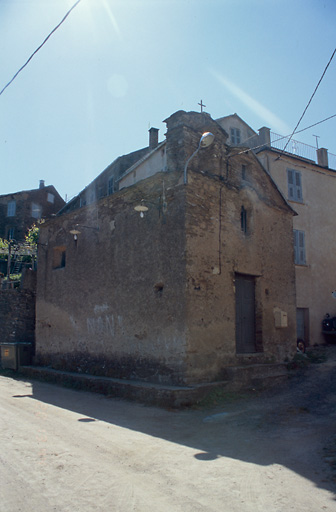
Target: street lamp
[141,208]
[205,141]
[161,205]
[75,232]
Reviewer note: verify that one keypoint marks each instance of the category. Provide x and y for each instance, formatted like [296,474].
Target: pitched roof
[239,119]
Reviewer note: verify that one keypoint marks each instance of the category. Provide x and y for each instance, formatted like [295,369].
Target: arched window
[243,219]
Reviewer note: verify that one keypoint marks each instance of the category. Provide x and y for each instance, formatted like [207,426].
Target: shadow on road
[294,428]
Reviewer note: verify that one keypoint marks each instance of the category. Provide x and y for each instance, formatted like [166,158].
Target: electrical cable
[311,126]
[37,49]
[324,72]
[282,137]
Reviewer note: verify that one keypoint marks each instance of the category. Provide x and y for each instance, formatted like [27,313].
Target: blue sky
[117,67]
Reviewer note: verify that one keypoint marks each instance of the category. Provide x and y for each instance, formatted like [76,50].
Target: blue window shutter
[294,185]
[298,186]
[235,135]
[290,177]
[299,247]
[302,253]
[295,246]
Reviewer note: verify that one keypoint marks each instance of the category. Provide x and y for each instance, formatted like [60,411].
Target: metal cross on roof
[201,105]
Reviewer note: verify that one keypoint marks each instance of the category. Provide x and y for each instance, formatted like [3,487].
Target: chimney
[41,183]
[153,137]
[322,157]
[264,137]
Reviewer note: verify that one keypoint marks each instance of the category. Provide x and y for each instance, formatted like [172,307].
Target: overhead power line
[282,137]
[312,125]
[37,49]
[312,96]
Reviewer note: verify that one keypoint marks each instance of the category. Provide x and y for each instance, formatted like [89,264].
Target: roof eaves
[46,187]
[294,157]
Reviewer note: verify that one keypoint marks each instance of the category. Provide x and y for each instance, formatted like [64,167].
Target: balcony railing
[299,148]
[294,147]
[332,161]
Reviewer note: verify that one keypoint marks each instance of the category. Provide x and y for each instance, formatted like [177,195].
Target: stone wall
[17,316]
[217,251]
[153,298]
[117,305]
[223,182]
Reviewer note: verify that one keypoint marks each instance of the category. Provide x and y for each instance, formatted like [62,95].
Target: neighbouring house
[184,270]
[108,182]
[307,178]
[20,210]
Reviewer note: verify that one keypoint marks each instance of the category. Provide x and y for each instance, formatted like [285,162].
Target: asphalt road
[70,451]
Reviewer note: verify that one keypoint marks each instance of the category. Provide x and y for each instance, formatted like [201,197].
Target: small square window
[91,196]
[235,135]
[59,257]
[50,198]
[36,211]
[11,209]
[243,219]
[101,192]
[110,186]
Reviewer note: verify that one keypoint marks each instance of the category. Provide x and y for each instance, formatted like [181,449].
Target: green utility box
[14,355]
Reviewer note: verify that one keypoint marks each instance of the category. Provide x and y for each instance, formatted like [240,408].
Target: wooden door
[245,314]
[302,316]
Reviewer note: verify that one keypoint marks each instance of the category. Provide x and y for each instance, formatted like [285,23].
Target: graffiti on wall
[103,325]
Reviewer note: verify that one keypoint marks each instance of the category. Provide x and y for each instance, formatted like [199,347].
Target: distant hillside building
[20,210]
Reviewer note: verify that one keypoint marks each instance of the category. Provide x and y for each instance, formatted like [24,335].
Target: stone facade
[116,306]
[311,194]
[155,298]
[20,210]
[17,312]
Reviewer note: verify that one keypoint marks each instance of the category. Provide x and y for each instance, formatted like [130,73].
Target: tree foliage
[32,236]
[4,244]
